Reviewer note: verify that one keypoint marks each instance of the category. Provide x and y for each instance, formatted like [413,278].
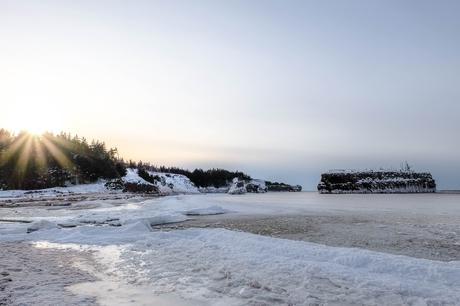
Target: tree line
[214,177]
[33,162]
[49,160]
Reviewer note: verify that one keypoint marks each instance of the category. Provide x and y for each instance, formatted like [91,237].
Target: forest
[29,161]
[201,178]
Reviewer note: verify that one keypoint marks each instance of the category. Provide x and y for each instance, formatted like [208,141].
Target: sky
[282,90]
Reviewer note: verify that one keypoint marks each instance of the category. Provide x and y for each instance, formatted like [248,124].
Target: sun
[35,129]
[37,121]
[37,125]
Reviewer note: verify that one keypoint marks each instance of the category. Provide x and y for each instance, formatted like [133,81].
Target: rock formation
[376,182]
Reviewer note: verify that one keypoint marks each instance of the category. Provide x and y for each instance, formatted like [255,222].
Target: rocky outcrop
[239,186]
[376,182]
[132,186]
[282,187]
[256,186]
[140,188]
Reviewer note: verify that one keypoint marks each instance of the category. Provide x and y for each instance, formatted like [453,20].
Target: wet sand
[436,238]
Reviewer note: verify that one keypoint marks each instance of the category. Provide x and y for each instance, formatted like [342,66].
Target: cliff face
[376,182]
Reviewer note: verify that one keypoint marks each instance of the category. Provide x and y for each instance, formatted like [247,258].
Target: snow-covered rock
[238,187]
[170,183]
[133,177]
[257,186]
[212,189]
[347,181]
[165,183]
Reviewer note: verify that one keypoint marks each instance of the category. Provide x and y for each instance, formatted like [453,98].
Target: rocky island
[382,181]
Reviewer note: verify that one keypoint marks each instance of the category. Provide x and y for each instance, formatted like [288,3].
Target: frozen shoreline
[211,256]
[413,237]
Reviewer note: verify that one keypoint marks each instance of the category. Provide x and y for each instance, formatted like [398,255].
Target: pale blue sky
[280,89]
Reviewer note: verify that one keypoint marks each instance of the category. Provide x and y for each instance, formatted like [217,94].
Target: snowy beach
[217,249]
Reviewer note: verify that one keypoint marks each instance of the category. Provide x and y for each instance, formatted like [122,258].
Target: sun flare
[37,121]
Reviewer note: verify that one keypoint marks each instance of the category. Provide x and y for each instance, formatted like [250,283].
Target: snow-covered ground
[50,192]
[137,263]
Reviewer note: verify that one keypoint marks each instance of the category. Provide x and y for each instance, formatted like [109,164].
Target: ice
[212,210]
[42,224]
[165,219]
[211,266]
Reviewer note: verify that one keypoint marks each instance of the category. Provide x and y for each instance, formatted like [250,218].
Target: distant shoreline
[449,191]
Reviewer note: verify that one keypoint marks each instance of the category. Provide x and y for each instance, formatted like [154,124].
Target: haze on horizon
[282,90]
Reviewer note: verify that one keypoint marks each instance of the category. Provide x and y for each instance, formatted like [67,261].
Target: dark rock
[282,187]
[140,188]
[376,182]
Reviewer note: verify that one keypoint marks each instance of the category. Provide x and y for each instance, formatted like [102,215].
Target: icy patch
[39,225]
[164,219]
[212,210]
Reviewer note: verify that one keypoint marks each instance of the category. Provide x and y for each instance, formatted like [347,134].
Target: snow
[174,183]
[83,189]
[132,177]
[237,187]
[168,183]
[207,265]
[212,266]
[241,187]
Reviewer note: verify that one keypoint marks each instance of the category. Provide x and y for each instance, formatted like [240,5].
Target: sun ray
[24,158]
[40,157]
[17,144]
[57,154]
